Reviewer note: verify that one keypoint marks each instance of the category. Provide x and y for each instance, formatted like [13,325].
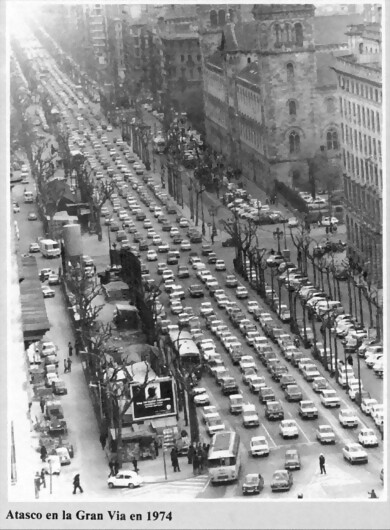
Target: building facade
[269,91]
[360,100]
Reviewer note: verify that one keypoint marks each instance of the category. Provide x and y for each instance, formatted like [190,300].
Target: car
[201,397]
[367,403]
[220,265]
[292,222]
[196,291]
[327,221]
[163,247]
[151,255]
[292,459]
[319,383]
[231,281]
[206,309]
[241,292]
[285,380]
[293,393]
[185,245]
[15,207]
[183,222]
[367,438]
[208,412]
[52,465]
[34,247]
[348,418]
[354,453]
[288,429]
[53,278]
[47,291]
[274,410]
[282,480]
[183,271]
[176,307]
[125,479]
[329,398]
[266,394]
[325,434]
[255,383]
[32,216]
[259,446]
[307,409]
[214,424]
[253,483]
[250,417]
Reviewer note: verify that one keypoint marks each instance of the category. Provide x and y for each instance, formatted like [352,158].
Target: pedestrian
[37,484]
[70,348]
[65,366]
[111,465]
[156,446]
[190,454]
[43,453]
[42,404]
[322,464]
[136,469]
[77,348]
[372,494]
[153,451]
[212,239]
[76,484]
[69,365]
[175,460]
[200,460]
[116,467]
[43,478]
[195,463]
[300,495]
[350,360]
[29,407]
[103,439]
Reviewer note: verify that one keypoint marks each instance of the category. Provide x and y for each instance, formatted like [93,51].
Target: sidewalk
[153,472]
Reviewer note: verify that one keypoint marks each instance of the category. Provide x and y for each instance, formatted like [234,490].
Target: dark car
[285,380]
[195,237]
[177,239]
[253,484]
[171,210]
[293,393]
[212,258]
[196,291]
[59,388]
[292,459]
[282,480]
[278,371]
[140,216]
[274,410]
[166,226]
[143,245]
[183,271]
[229,386]
[266,394]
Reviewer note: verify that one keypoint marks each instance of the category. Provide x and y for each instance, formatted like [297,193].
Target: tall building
[96,30]
[359,77]
[269,92]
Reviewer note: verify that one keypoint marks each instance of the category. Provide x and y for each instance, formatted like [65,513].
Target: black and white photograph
[195,284]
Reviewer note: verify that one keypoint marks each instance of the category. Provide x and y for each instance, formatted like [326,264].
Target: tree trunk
[350,295]
[329,286]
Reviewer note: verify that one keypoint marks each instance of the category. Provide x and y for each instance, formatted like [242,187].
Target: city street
[342,479]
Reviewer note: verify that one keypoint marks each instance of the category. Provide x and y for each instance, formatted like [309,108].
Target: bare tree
[62,137]
[243,233]
[301,239]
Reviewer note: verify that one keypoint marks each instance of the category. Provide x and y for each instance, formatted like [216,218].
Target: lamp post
[278,234]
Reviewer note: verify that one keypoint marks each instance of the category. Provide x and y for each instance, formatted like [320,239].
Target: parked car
[125,479]
[253,483]
[354,453]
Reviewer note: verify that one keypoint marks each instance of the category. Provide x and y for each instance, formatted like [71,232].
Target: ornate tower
[288,76]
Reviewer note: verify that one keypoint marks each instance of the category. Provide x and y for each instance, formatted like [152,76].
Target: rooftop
[250,73]
[34,316]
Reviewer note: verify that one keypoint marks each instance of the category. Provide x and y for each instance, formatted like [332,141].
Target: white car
[292,222]
[288,429]
[47,291]
[372,358]
[206,309]
[220,265]
[366,405]
[367,438]
[151,255]
[208,412]
[329,398]
[327,221]
[241,292]
[201,397]
[252,305]
[259,446]
[156,240]
[348,418]
[167,275]
[52,466]
[125,479]
[214,424]
[353,452]
[325,434]
[164,247]
[185,245]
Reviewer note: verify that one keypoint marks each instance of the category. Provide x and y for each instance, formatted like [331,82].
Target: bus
[158,145]
[224,457]
[183,344]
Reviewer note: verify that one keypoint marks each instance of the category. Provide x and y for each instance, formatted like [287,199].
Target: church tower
[287,77]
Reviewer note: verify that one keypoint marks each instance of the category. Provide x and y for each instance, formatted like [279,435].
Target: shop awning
[161,423]
[129,435]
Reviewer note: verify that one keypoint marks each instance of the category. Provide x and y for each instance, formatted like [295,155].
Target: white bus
[184,345]
[224,457]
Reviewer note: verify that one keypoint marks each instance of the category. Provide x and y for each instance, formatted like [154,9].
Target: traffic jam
[250,375]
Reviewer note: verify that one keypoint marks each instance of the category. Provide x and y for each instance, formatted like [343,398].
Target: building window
[290,71]
[221,17]
[360,142]
[368,119]
[341,105]
[378,123]
[277,34]
[330,106]
[379,148]
[357,165]
[182,58]
[358,113]
[298,34]
[347,134]
[373,120]
[231,15]
[198,58]
[360,47]
[363,116]
[292,108]
[294,142]
[342,132]
[376,95]
[374,147]
[369,146]
[371,93]
[213,18]
[362,169]
[332,141]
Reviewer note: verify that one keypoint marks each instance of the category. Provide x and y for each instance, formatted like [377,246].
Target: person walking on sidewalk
[70,349]
[43,478]
[42,404]
[190,454]
[76,484]
[195,463]
[69,365]
[156,447]
[175,460]
[136,469]
[37,484]
[43,453]
[322,464]
[65,366]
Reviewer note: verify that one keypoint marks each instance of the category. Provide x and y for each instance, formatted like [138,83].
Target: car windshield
[252,479]
[280,475]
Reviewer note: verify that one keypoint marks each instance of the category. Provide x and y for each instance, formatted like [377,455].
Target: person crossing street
[322,464]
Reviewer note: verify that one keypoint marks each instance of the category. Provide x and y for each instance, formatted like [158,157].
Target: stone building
[359,77]
[268,88]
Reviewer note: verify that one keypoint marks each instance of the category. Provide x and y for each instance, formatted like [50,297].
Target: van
[236,402]
[173,257]
[28,196]
[331,306]
[49,248]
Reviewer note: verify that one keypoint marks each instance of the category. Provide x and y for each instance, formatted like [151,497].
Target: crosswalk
[171,490]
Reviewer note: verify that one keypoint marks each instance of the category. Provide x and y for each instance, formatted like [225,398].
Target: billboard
[157,399]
